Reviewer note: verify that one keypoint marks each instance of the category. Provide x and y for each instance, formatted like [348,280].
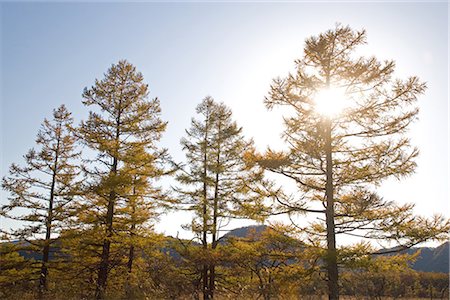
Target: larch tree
[40,191]
[123,131]
[346,133]
[141,205]
[218,183]
[268,263]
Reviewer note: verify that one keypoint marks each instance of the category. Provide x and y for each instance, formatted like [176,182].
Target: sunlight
[330,101]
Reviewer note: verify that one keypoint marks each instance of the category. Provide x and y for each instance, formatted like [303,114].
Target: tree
[138,210]
[44,188]
[123,132]
[219,183]
[16,272]
[338,158]
[269,263]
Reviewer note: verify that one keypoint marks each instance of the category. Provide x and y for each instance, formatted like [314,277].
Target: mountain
[429,259]
[243,232]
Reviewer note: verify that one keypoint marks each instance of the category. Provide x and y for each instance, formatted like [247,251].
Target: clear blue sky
[51,51]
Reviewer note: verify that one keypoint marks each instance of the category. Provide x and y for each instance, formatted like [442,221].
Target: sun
[330,102]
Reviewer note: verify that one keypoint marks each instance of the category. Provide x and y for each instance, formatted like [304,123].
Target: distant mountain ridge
[429,260]
[243,232]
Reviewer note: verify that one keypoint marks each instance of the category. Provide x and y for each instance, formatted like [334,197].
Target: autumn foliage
[87,195]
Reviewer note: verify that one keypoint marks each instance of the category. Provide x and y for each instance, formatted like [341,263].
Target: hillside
[429,260]
[432,259]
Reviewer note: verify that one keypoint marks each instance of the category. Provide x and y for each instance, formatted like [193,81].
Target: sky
[230,51]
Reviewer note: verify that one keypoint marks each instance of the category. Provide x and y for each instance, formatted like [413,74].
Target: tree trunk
[46,249]
[205,240]
[130,259]
[44,271]
[132,229]
[205,217]
[104,260]
[48,227]
[205,248]
[331,260]
[128,286]
[212,268]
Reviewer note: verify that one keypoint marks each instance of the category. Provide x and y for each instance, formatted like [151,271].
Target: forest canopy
[88,194]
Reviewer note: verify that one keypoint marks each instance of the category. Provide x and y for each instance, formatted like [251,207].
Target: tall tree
[219,183]
[141,204]
[268,263]
[43,187]
[338,157]
[123,131]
